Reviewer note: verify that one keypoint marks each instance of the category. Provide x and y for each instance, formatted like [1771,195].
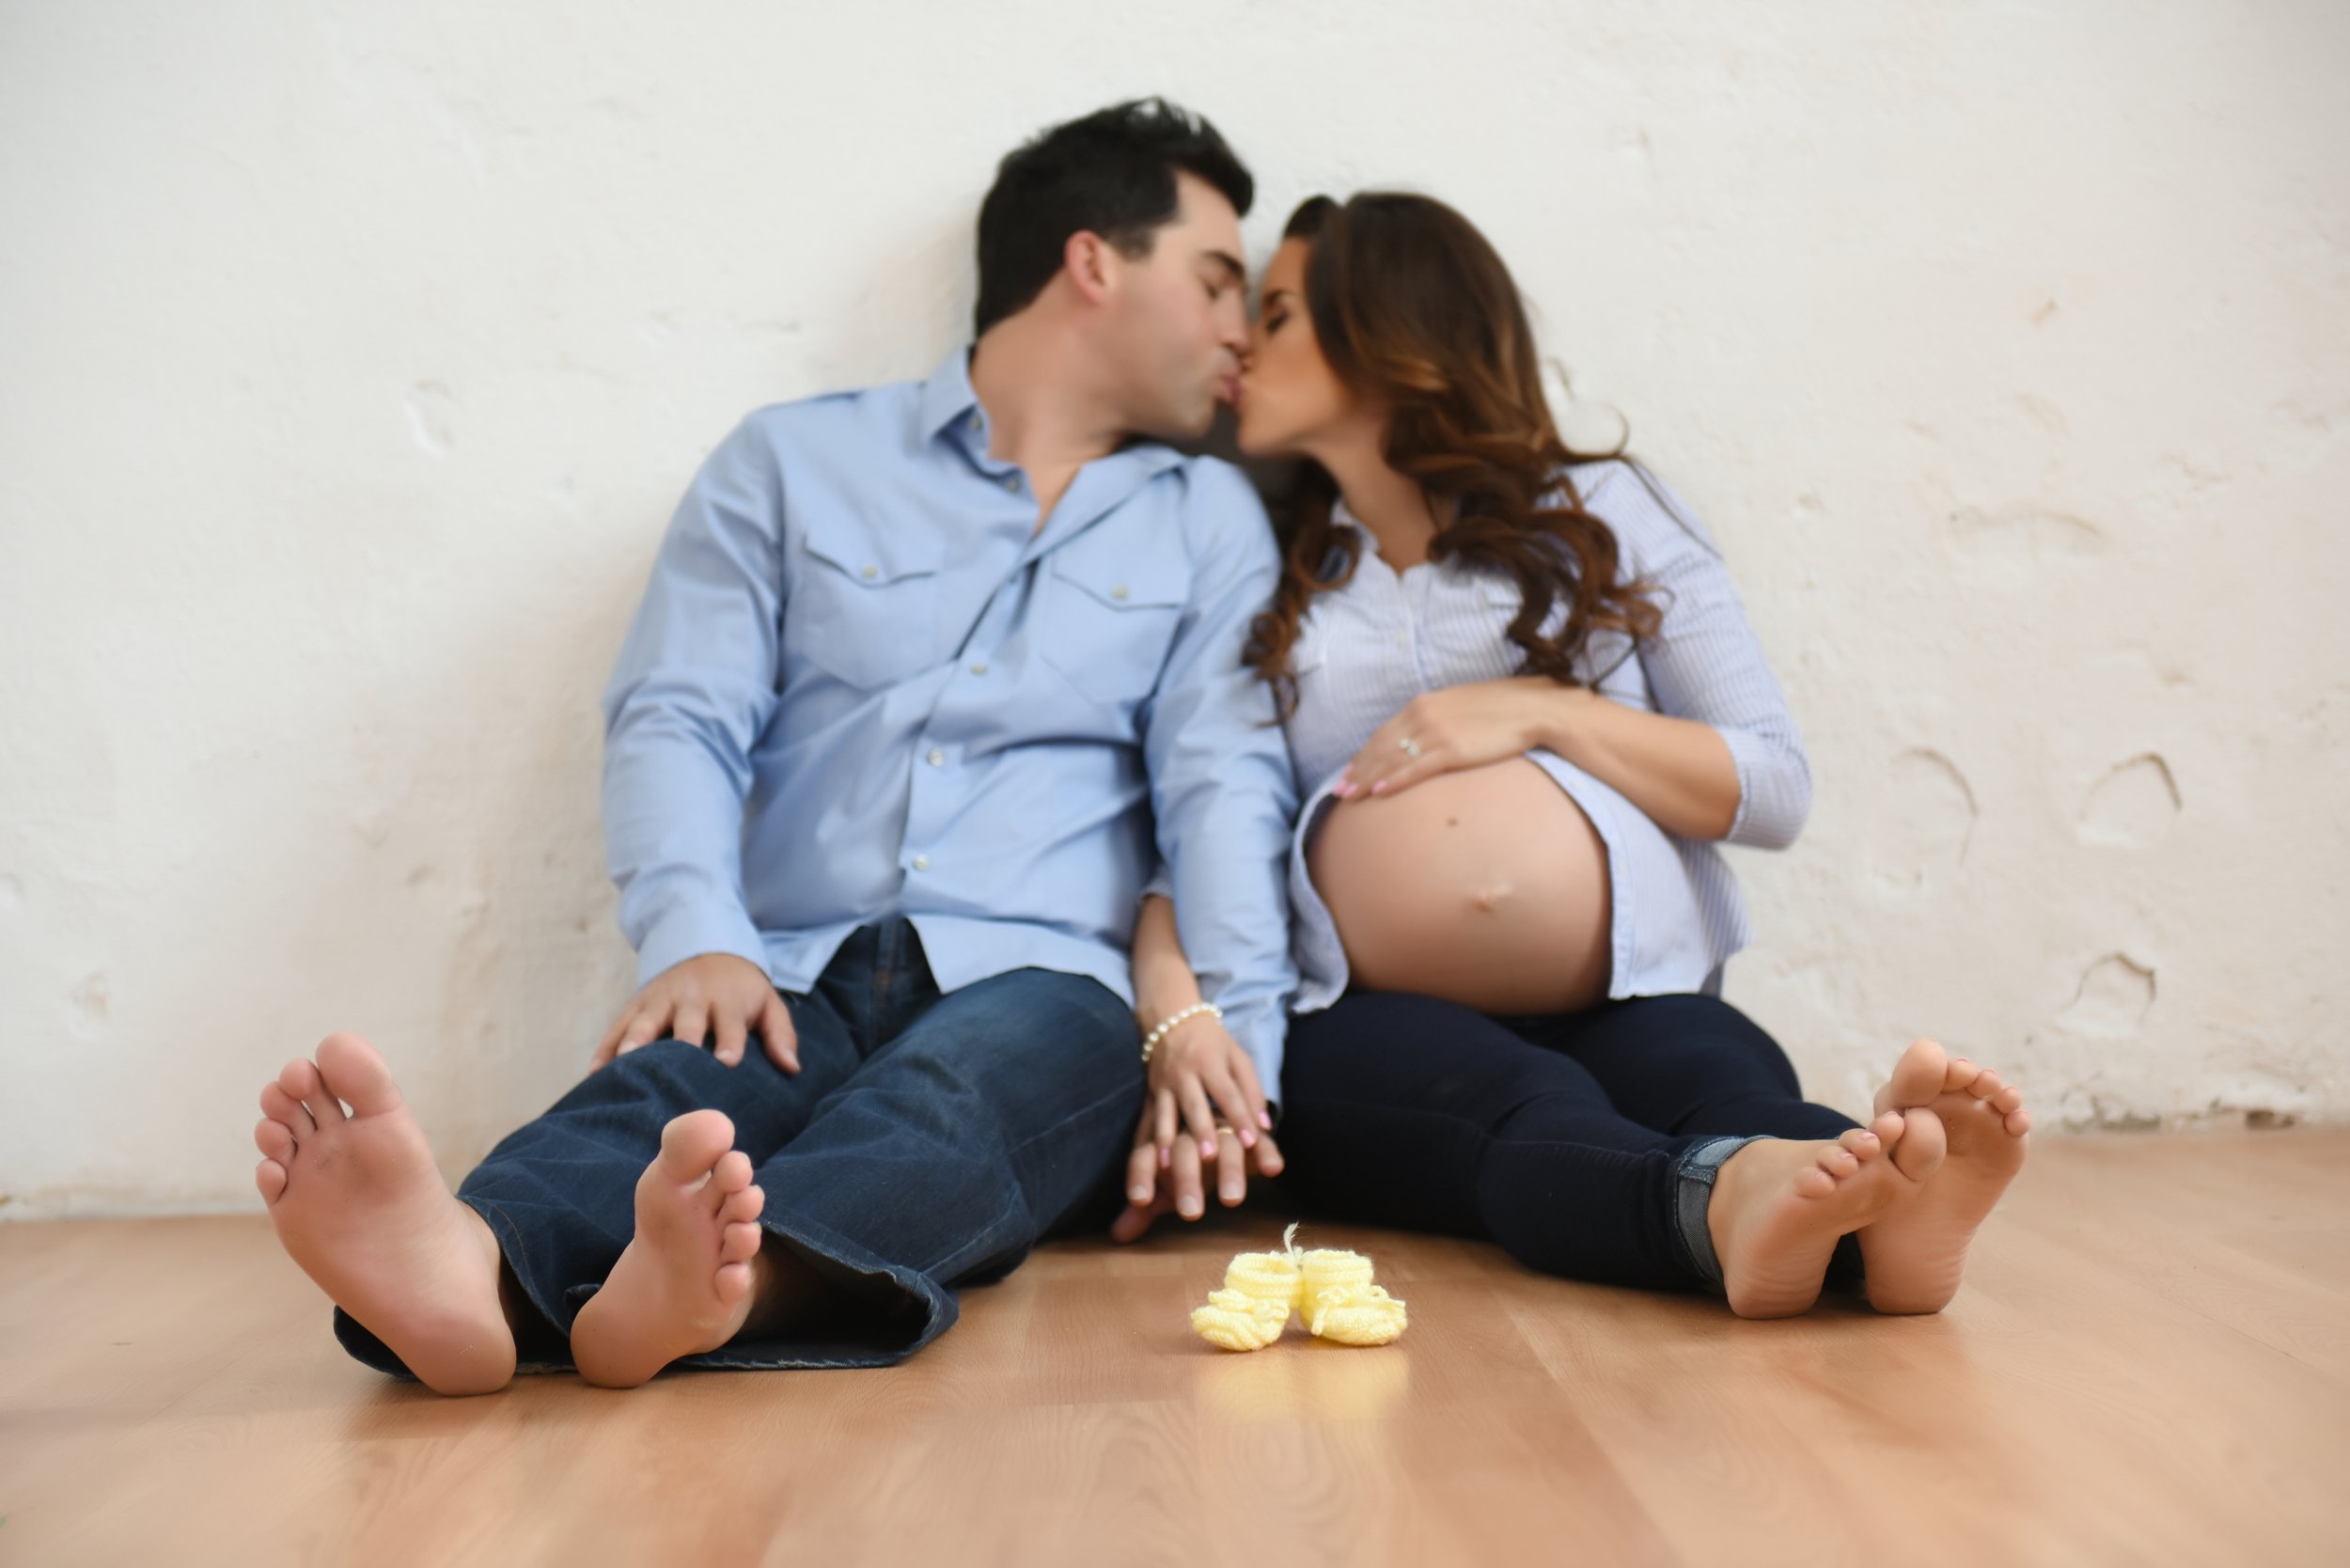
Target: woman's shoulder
[1647,517]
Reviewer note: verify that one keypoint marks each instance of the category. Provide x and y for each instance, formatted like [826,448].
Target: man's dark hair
[1111,173]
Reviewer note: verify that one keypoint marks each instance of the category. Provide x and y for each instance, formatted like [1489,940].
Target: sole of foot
[683,1285]
[1779,1206]
[360,1205]
[1916,1255]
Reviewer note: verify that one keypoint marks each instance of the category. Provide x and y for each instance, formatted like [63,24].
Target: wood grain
[2150,1363]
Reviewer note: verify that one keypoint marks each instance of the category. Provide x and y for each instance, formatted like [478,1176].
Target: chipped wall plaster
[357,353]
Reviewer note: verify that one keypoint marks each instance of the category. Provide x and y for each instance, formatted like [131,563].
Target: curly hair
[1413,308]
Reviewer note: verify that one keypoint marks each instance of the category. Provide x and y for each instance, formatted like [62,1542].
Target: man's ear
[1092,263]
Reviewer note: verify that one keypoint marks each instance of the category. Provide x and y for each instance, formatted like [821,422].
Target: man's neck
[1043,412]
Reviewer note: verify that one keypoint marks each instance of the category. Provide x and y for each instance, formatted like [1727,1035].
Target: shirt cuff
[1262,1030]
[685,931]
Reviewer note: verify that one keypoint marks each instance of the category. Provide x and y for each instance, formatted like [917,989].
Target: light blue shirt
[1365,649]
[864,684]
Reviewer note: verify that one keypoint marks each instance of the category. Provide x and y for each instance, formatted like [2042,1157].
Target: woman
[1522,691]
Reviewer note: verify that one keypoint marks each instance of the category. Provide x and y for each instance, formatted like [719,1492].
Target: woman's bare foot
[685,1283]
[360,1205]
[1779,1206]
[1916,1254]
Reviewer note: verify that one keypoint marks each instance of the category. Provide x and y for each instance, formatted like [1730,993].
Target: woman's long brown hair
[1413,308]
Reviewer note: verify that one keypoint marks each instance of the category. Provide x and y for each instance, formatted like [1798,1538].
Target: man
[919,671]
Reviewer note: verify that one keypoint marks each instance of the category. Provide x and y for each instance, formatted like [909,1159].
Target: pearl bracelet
[1166,1025]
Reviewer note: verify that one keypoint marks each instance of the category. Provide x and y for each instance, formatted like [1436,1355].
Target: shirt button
[1012,481]
[978,424]
[937,758]
[979,670]
[1119,592]
[870,572]
[922,862]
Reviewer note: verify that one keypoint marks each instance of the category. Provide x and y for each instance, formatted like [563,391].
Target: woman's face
[1290,400]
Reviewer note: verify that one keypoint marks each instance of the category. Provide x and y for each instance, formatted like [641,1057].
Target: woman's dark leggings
[1570,1141]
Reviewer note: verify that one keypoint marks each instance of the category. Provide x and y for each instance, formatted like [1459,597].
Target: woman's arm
[1678,771]
[1720,759]
[1195,1062]
[1164,983]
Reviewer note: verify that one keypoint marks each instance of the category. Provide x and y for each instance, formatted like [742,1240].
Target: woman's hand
[1203,1118]
[1458,726]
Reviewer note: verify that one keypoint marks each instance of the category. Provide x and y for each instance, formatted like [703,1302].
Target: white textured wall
[351,357]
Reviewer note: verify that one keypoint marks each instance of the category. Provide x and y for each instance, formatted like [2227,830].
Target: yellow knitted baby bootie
[1260,1289]
[1332,1288]
[1342,1306]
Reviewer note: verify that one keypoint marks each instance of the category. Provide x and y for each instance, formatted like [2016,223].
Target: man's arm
[1220,777]
[694,686]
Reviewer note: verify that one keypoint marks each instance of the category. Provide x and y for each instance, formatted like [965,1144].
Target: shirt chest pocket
[1110,610]
[864,606]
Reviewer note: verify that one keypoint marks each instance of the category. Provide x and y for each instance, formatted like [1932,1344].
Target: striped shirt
[1365,649]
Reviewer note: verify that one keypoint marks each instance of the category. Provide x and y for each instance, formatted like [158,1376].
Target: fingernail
[1207,1148]
[1137,1195]
[1166,1157]
[1248,1137]
[1264,1119]
[1378,787]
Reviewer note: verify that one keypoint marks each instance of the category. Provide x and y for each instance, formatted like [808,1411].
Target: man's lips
[1231,389]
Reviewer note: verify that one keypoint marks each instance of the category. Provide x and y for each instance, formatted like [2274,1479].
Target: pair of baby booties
[1332,1288]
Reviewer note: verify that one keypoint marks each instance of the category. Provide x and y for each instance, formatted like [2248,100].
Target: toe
[300,1079]
[1962,1073]
[2018,1123]
[690,1144]
[1862,1143]
[1917,1078]
[274,1138]
[1812,1181]
[732,1174]
[355,1071]
[742,1206]
[734,1281]
[1924,1142]
[270,1178]
[279,1105]
[1838,1162]
[2007,1101]
[1986,1085]
[739,1244]
[1888,1127]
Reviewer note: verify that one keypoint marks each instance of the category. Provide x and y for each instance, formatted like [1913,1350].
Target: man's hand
[1183,1187]
[716,996]
[1458,726]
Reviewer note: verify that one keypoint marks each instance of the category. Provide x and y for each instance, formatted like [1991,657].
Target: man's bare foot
[685,1283]
[1916,1254]
[1779,1206]
[360,1205]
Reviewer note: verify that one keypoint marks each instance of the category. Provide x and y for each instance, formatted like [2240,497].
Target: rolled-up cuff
[1693,1183]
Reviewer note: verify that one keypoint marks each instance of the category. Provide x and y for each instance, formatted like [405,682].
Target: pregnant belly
[1487,886]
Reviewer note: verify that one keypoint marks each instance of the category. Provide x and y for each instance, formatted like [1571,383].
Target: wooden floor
[2150,1363]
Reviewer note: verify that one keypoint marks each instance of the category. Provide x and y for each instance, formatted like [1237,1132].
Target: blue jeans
[927,1140]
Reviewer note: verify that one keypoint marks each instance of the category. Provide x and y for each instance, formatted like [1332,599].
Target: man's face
[1179,319]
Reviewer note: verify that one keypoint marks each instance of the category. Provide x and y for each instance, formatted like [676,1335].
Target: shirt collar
[946,397]
[1344,518]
